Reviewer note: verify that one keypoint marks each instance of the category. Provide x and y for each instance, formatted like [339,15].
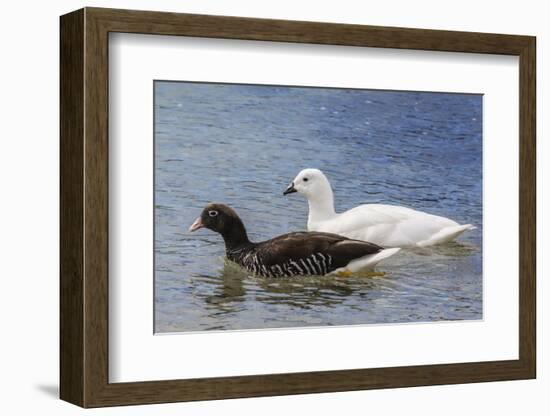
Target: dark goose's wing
[318,253]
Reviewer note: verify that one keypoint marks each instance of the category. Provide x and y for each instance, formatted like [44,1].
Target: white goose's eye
[305,179]
[213,213]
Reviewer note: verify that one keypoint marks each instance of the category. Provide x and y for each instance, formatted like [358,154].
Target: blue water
[241,145]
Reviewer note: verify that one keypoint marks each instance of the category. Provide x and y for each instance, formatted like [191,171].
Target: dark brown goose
[292,254]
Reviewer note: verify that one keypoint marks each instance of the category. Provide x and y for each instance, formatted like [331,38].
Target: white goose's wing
[388,225]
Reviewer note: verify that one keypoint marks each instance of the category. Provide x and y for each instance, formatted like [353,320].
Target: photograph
[296,206]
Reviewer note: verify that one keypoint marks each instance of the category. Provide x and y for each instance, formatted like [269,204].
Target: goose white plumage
[385,225]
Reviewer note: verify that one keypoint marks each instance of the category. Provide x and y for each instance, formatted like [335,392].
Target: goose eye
[306,179]
[213,213]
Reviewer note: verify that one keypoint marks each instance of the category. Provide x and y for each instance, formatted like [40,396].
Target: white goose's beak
[196,225]
[290,189]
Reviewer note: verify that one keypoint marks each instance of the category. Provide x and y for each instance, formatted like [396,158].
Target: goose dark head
[224,220]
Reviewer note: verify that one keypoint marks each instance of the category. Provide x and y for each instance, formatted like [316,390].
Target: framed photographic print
[255,207]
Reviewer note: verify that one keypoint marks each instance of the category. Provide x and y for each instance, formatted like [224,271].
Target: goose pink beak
[196,225]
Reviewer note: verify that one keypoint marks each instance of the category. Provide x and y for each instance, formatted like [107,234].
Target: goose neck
[321,208]
[235,237]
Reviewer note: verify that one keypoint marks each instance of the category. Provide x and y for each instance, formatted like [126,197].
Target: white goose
[385,225]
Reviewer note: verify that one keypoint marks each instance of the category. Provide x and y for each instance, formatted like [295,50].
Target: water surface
[242,144]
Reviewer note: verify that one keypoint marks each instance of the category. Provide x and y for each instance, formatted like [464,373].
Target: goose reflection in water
[230,288]
[450,249]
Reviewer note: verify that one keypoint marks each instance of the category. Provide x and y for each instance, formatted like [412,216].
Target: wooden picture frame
[84,207]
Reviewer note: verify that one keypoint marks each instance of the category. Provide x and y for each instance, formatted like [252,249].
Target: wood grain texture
[71,208]
[162,23]
[96,208]
[84,207]
[527,207]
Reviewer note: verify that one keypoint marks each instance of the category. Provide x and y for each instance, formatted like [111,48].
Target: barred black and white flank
[293,254]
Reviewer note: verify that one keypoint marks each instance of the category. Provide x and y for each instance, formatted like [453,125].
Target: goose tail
[446,234]
[370,261]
